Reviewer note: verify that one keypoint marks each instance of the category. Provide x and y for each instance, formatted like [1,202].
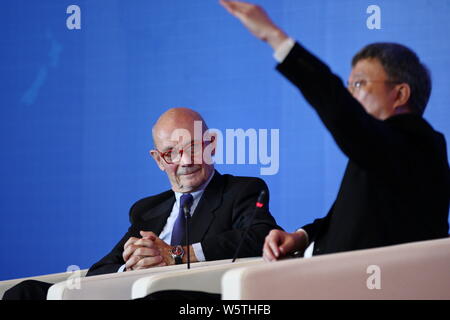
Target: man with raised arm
[396,185]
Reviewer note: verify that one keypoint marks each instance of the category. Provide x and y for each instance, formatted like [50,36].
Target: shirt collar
[196,194]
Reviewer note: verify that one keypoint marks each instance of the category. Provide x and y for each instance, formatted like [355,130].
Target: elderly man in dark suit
[220,206]
[396,185]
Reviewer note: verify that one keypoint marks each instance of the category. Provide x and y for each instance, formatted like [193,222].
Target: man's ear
[403,93]
[210,148]
[155,155]
[214,143]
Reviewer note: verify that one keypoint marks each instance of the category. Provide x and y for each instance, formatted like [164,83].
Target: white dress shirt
[166,233]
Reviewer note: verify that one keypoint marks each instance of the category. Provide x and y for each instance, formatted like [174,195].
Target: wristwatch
[177,253]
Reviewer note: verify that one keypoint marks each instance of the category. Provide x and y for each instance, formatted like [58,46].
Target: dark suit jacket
[396,186]
[218,222]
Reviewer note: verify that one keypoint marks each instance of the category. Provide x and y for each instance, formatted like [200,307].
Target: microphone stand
[260,203]
[187,217]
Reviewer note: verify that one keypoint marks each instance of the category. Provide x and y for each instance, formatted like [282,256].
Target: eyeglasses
[174,155]
[359,84]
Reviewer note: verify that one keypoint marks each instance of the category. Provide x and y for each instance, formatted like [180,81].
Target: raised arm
[370,142]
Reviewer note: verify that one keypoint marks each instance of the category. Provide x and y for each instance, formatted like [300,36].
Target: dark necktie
[179,228]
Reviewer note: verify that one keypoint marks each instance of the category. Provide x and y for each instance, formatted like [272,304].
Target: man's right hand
[140,253]
[279,243]
[255,19]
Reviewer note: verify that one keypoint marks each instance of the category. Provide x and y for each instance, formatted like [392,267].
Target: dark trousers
[37,290]
[182,295]
[28,290]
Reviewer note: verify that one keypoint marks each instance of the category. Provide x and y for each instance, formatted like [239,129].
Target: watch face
[177,251]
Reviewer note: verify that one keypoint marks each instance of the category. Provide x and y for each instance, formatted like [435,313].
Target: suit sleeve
[370,142]
[315,228]
[224,245]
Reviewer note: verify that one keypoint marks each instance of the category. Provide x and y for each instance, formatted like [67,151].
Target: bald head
[173,119]
[179,132]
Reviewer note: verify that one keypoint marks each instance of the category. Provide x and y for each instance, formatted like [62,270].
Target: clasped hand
[146,252]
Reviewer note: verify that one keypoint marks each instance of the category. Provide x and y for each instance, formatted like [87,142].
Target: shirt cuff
[198,251]
[283,50]
[306,235]
[122,268]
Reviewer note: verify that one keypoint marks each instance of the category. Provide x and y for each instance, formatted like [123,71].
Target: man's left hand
[163,248]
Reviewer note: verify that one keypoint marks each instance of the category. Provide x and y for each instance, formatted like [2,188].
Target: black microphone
[187,217]
[260,203]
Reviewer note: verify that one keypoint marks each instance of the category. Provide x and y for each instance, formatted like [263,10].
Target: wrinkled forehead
[169,135]
[169,138]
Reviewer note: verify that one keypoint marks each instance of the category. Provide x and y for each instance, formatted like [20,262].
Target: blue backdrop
[77,106]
